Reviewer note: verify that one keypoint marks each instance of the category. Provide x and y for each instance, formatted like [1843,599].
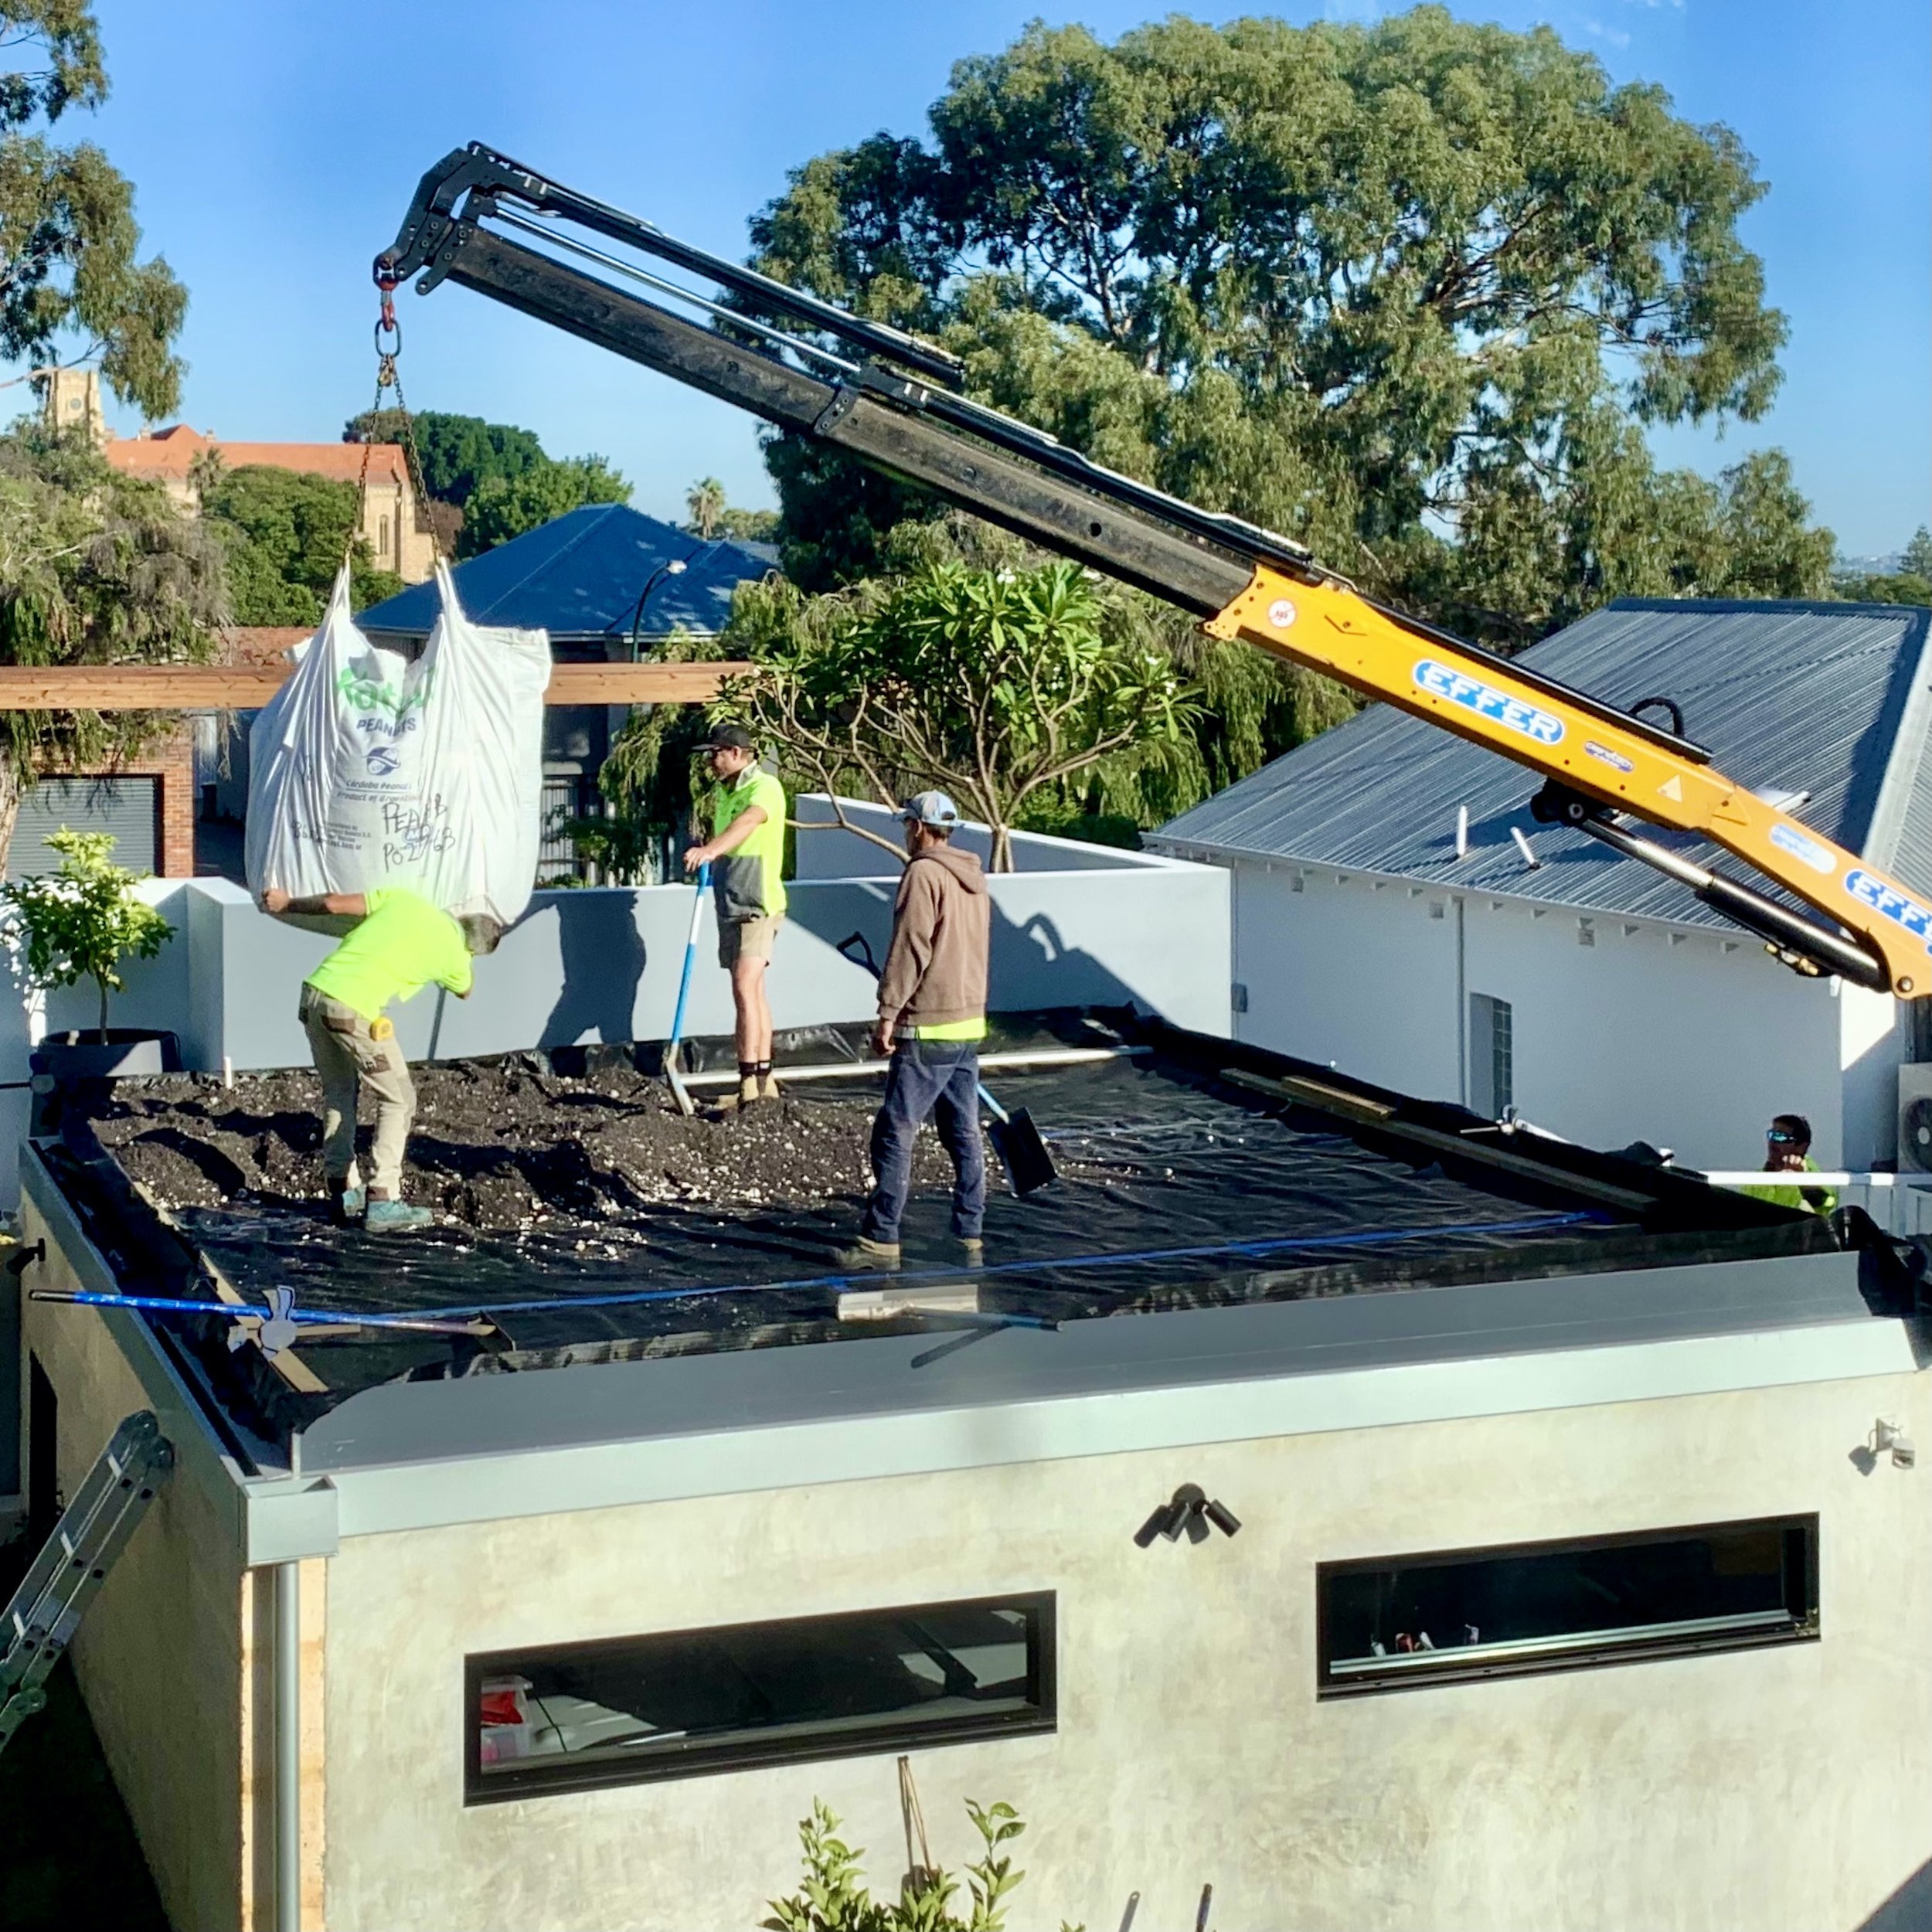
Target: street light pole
[675,567]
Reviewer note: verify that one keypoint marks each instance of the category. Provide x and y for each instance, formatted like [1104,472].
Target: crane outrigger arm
[894,402]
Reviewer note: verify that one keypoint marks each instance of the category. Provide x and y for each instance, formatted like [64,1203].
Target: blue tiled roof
[581,576]
[1832,700]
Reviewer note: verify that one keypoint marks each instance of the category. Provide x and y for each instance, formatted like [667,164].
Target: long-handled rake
[671,1071]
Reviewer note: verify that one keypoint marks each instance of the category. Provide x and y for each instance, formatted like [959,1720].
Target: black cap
[728,737]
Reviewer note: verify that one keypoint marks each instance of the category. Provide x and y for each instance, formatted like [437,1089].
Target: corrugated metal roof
[580,576]
[1831,699]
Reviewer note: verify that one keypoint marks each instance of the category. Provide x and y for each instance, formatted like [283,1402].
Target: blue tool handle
[690,951]
[994,1107]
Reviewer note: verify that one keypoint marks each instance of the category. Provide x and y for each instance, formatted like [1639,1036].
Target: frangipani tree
[993,684]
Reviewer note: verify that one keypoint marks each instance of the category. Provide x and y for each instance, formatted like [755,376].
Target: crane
[897,403]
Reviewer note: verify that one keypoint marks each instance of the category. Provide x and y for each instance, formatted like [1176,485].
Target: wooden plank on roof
[143,687]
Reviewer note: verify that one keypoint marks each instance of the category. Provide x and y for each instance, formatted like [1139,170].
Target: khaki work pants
[348,1057]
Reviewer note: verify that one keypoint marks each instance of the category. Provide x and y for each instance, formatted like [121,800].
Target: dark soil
[506,1145]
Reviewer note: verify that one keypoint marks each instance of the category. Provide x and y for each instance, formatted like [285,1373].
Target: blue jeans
[940,1078]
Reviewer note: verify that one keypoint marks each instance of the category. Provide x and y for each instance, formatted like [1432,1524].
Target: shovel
[684,990]
[1016,1139]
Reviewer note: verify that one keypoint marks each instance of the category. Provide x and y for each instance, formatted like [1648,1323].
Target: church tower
[70,399]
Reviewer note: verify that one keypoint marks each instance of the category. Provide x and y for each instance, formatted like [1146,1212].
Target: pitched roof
[1832,700]
[170,452]
[581,575]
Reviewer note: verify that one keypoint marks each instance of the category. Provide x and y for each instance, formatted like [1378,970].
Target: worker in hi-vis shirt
[400,945]
[746,852]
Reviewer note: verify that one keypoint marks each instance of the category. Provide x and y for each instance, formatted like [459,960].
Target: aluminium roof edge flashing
[1910,744]
[404,1457]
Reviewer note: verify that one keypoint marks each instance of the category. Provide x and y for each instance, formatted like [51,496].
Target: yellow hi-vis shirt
[403,944]
[746,880]
[952,1029]
[1791,1194]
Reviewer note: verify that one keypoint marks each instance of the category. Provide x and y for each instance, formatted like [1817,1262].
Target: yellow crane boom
[894,402]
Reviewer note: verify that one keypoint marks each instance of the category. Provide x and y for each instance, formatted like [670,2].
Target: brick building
[394,524]
[148,804]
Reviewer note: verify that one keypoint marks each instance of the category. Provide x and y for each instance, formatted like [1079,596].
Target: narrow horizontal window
[1403,1621]
[678,1703]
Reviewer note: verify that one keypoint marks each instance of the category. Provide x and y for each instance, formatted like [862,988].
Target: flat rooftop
[588,1223]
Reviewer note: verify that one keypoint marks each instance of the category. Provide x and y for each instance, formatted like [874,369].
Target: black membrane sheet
[1156,1159]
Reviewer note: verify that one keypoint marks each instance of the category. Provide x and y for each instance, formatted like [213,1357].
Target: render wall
[1687,1038]
[160,1653]
[1776,1788]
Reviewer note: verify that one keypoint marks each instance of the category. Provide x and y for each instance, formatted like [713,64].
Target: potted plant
[80,923]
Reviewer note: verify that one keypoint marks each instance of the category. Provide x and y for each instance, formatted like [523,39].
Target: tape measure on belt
[382,1027]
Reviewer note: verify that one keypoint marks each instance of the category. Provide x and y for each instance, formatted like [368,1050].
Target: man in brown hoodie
[932,1016]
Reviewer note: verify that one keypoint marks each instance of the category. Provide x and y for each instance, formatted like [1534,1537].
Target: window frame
[1538,1657]
[1492,1055]
[541,1778]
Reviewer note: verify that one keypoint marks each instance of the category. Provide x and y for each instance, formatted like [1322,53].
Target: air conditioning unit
[1915,1118]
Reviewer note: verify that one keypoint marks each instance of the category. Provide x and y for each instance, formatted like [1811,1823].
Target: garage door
[125,807]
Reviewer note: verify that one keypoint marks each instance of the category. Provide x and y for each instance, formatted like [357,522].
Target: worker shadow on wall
[602,956]
[1032,967]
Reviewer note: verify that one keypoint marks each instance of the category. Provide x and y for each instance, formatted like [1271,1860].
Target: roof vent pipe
[1529,858]
[1462,831]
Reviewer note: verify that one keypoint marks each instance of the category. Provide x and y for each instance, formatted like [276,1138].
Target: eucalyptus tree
[1411,292]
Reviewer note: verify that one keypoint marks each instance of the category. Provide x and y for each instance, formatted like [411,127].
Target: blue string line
[1257,1248]
[231,1311]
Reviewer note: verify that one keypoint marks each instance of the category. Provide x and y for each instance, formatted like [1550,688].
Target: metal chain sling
[389,348]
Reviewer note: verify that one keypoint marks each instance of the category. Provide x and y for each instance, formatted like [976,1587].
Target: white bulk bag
[367,771]
[479,760]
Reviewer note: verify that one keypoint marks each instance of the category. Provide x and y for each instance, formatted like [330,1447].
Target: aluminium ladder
[64,1578]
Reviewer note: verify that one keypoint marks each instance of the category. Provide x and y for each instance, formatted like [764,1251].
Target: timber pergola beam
[196,687]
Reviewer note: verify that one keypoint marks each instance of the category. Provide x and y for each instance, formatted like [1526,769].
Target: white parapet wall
[1077,925]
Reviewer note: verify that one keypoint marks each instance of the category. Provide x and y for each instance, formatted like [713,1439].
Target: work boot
[972,1250]
[383,1215]
[768,1088]
[748,1091]
[346,1203]
[865,1254]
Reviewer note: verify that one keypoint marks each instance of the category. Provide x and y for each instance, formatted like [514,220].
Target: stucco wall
[1687,1039]
[159,1654]
[1775,1788]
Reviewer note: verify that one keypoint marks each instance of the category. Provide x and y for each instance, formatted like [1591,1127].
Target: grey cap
[932,808]
[728,737]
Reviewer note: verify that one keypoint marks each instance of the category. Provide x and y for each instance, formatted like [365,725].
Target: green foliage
[285,533]
[69,244]
[704,501]
[502,507]
[95,568]
[712,516]
[623,847]
[82,921]
[998,683]
[1911,583]
[496,478]
[1409,292]
[832,1896]
[748,526]
[457,452]
[1902,586]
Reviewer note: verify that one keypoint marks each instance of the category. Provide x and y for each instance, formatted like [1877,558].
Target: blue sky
[275,146]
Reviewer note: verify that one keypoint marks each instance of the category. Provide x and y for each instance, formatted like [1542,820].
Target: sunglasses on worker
[1779,1136]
